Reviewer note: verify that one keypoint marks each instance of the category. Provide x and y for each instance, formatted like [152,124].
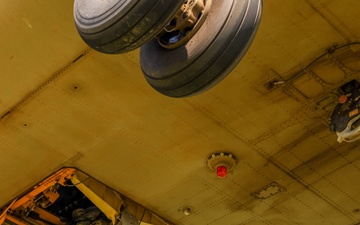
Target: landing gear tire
[209,55]
[118,26]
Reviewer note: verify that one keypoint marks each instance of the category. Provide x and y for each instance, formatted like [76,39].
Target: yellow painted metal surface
[97,113]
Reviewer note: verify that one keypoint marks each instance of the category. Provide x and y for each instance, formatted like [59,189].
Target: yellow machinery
[95,203]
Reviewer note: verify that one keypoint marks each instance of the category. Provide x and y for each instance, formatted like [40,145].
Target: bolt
[187,211]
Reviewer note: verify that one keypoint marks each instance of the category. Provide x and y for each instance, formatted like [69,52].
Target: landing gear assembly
[345,119]
[186,47]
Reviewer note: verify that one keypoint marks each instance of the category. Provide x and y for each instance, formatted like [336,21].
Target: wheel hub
[185,23]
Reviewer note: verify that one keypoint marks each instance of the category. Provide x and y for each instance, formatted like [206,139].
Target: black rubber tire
[209,56]
[118,26]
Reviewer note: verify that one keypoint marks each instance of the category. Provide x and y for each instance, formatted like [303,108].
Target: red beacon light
[221,171]
[222,163]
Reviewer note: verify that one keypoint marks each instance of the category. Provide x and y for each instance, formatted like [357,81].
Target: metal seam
[52,78]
